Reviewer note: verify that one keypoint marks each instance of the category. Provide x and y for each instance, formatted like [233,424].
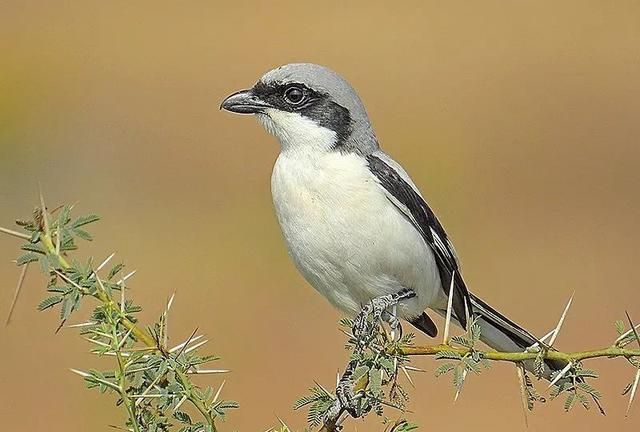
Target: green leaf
[67,308]
[182,417]
[225,405]
[375,381]
[49,302]
[449,355]
[405,426]
[461,340]
[65,216]
[85,220]
[589,389]
[458,377]
[27,258]
[570,401]
[619,326]
[475,331]
[359,372]
[445,368]
[115,270]
[35,237]
[472,365]
[44,263]
[57,289]
[584,401]
[387,364]
[587,373]
[33,248]
[83,234]
[539,365]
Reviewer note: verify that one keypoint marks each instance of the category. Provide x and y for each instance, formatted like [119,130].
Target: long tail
[502,334]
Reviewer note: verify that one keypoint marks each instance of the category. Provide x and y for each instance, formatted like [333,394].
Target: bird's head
[307,107]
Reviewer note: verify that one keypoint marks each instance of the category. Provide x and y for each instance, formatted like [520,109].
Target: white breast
[345,236]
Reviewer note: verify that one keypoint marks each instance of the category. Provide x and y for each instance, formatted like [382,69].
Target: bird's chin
[267,122]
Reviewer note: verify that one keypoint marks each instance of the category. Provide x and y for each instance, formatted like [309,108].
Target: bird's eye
[294,95]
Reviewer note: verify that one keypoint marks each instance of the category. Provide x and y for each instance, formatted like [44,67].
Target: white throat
[297,133]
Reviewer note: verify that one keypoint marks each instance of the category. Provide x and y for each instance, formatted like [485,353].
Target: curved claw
[394,324]
[377,309]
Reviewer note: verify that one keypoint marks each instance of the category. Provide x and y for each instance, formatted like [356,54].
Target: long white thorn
[284,425]
[196,346]
[447,324]
[180,346]
[84,324]
[627,333]
[208,371]
[16,294]
[97,342]
[540,341]
[464,376]
[81,373]
[179,404]
[633,328]
[100,380]
[15,233]
[124,339]
[406,374]
[165,340]
[123,288]
[113,354]
[170,302]
[561,374]
[632,395]
[144,393]
[58,240]
[523,393]
[102,287]
[104,263]
[126,277]
[561,321]
[68,280]
[215,398]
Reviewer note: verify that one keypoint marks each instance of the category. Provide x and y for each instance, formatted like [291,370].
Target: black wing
[408,201]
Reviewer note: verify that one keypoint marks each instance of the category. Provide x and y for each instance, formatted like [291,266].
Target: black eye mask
[316,106]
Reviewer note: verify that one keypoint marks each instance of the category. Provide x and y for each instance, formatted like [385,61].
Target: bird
[355,225]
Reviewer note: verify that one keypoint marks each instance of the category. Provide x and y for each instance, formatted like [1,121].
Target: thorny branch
[113,329]
[517,357]
[463,357]
[153,380]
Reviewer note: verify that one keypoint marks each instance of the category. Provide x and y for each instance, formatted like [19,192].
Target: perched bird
[355,225]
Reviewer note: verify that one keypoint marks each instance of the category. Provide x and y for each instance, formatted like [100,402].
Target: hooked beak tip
[244,102]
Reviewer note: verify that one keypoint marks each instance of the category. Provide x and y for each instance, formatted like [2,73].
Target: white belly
[344,235]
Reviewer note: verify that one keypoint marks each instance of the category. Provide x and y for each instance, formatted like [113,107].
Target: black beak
[244,102]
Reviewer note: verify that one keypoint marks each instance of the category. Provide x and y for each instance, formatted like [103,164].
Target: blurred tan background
[519,121]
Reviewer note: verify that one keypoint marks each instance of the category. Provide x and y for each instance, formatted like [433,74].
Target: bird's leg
[346,399]
[370,314]
[363,328]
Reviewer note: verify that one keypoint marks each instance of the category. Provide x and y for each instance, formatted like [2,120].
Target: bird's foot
[346,399]
[371,313]
[394,324]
